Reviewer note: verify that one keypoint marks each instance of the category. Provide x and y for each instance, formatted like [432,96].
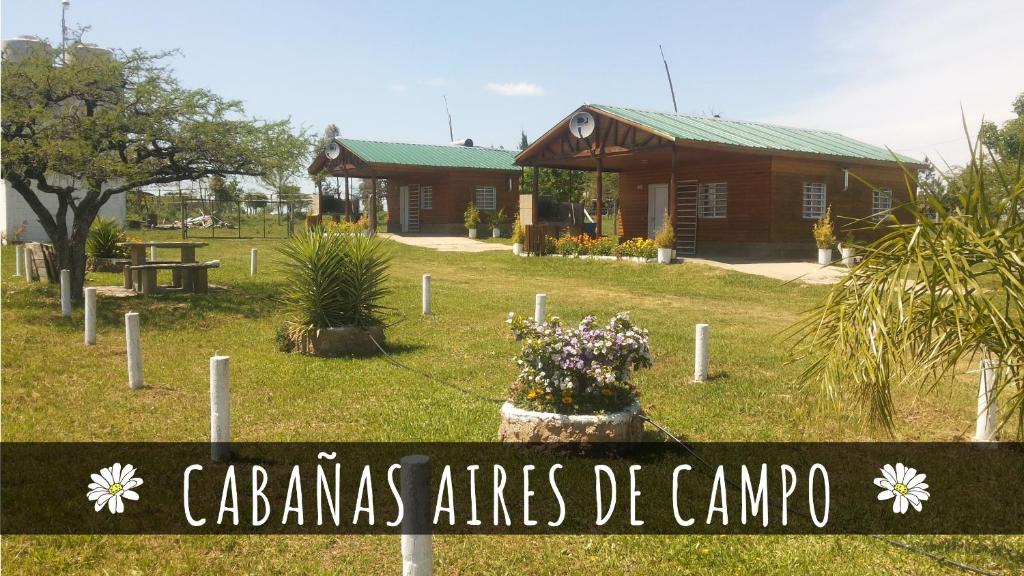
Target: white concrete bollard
[985,429]
[220,408]
[252,262]
[90,316]
[152,253]
[134,340]
[540,308]
[417,547]
[65,293]
[700,357]
[426,294]
[19,260]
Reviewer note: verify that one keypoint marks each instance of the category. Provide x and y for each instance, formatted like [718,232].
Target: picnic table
[187,275]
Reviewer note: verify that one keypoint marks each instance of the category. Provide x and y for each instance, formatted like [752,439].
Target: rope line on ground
[890,541]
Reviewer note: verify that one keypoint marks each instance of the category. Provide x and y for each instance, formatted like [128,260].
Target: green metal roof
[752,134]
[397,153]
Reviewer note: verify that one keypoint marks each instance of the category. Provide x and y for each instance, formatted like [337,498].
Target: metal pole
[220,408]
[426,294]
[134,342]
[417,547]
[65,293]
[90,316]
[700,358]
[985,429]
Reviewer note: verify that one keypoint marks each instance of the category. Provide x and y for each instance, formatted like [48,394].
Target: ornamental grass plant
[334,279]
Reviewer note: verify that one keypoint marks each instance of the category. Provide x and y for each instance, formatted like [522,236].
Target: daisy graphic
[112,485]
[904,485]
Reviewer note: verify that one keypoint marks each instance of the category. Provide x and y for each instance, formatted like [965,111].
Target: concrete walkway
[809,272]
[447,243]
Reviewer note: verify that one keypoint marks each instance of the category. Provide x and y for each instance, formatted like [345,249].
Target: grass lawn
[56,389]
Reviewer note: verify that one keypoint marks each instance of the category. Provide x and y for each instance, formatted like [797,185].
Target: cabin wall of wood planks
[765,195]
[453,190]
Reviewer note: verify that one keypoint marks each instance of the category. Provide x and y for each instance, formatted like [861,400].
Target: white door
[657,203]
[403,193]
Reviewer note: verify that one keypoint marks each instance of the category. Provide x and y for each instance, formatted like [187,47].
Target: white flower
[904,485]
[112,485]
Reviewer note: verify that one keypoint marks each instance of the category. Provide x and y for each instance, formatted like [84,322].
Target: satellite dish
[582,124]
[333,150]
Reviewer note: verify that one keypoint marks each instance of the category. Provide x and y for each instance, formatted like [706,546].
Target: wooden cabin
[430,186]
[730,188]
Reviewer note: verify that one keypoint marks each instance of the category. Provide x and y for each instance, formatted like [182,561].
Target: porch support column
[348,209]
[371,210]
[599,192]
[672,190]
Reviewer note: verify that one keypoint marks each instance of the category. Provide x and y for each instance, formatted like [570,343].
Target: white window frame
[482,202]
[713,200]
[881,203]
[426,197]
[815,200]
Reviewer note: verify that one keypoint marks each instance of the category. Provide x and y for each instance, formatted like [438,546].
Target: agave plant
[103,239]
[334,280]
[934,294]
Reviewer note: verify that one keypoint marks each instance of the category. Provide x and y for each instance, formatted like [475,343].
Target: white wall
[14,211]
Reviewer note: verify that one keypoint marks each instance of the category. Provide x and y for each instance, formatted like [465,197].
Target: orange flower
[566,399]
[606,391]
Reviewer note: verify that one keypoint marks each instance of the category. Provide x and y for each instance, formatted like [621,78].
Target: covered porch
[648,166]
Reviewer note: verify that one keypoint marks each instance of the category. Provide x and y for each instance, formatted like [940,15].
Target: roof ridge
[712,118]
[446,146]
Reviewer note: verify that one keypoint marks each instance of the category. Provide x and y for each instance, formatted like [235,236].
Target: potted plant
[665,239]
[824,237]
[471,218]
[847,250]
[335,285]
[574,382]
[498,221]
[102,246]
[517,237]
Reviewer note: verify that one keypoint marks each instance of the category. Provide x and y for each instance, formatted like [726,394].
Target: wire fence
[196,218]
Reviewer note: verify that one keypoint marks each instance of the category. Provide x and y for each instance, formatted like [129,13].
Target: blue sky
[891,73]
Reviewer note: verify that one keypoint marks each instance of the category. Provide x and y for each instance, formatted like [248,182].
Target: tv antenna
[451,133]
[669,75]
[64,5]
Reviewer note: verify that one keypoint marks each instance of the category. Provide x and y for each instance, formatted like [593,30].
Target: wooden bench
[187,276]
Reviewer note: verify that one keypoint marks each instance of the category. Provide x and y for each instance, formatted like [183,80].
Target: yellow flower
[549,397]
[566,399]
[532,394]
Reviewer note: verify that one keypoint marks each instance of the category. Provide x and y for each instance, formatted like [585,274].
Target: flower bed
[574,383]
[603,248]
[585,369]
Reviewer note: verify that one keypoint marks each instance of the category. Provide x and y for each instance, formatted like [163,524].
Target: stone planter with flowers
[575,382]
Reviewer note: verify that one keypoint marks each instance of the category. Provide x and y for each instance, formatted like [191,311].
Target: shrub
[603,246]
[349,227]
[334,280]
[636,248]
[666,236]
[568,245]
[824,234]
[549,244]
[471,217]
[577,370]
[103,239]
[518,235]
[498,219]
